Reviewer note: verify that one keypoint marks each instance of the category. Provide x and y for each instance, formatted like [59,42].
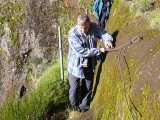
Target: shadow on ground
[99,70]
[55,111]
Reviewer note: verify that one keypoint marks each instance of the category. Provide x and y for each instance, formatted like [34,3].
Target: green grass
[33,105]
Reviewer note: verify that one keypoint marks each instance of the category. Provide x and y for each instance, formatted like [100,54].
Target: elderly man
[82,59]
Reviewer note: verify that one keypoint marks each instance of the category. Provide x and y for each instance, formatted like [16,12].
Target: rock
[32,49]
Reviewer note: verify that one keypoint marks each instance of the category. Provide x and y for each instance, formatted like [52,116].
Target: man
[82,59]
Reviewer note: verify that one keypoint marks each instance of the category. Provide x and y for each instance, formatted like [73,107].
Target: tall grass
[33,105]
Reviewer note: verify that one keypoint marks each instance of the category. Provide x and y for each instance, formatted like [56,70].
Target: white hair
[83,19]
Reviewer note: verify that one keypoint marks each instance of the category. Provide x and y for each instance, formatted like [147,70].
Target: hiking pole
[61,53]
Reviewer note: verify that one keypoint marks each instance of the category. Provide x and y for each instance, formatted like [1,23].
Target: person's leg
[73,90]
[104,16]
[103,21]
[86,91]
[99,21]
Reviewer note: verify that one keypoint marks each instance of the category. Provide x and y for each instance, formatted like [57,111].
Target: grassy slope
[33,105]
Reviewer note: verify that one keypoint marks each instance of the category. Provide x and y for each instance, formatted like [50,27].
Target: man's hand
[108,44]
[102,50]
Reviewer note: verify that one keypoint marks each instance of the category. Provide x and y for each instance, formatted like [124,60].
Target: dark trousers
[82,100]
[103,17]
[102,20]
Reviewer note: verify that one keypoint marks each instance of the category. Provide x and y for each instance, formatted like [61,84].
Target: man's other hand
[108,44]
[103,50]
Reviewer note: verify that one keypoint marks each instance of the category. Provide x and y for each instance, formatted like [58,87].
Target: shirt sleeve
[77,46]
[103,35]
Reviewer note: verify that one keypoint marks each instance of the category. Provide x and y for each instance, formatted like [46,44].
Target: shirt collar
[82,34]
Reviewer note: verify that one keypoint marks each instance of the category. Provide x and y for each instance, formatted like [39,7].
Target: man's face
[84,28]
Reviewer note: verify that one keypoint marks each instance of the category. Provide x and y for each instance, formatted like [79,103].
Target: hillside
[126,83]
